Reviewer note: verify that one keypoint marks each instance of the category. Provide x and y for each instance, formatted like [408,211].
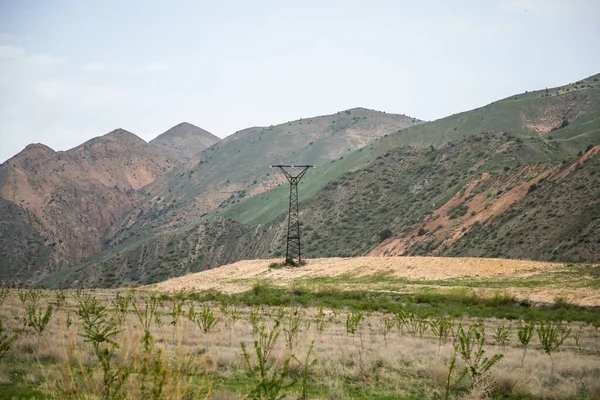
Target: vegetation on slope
[558,219]
[402,195]
[237,167]
[391,195]
[536,118]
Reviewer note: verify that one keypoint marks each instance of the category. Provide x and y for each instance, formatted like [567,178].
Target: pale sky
[73,70]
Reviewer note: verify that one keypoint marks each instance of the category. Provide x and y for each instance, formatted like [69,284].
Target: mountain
[63,203]
[184,140]
[238,167]
[516,178]
[67,206]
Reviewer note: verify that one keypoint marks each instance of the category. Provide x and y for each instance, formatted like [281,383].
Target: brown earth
[240,276]
[481,206]
[228,277]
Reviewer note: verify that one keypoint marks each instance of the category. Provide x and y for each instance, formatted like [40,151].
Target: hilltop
[184,140]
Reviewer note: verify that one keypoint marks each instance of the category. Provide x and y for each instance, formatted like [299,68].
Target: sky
[73,70]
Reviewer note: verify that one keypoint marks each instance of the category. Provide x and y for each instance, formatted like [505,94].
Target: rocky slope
[75,196]
[22,248]
[184,140]
[556,216]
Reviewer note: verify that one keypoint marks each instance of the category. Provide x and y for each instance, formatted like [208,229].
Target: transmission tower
[293,254]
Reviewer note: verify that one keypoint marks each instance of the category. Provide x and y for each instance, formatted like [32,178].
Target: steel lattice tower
[293,254]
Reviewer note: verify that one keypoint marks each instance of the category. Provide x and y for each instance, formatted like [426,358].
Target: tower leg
[293,254]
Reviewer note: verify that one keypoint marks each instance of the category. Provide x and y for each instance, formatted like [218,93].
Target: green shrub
[6,340]
[524,333]
[100,331]
[551,336]
[269,381]
[501,335]
[469,345]
[384,234]
[36,319]
[532,187]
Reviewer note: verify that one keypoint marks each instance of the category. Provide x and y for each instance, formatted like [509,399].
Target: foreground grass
[174,354]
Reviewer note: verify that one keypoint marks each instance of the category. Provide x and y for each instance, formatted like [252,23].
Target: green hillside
[238,167]
[395,194]
[576,103]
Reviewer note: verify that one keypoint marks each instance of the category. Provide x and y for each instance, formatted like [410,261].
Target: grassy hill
[535,118]
[238,167]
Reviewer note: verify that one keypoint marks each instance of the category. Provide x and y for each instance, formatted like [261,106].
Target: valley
[300,200]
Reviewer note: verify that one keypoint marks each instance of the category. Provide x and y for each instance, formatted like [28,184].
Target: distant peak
[185,129]
[120,132]
[184,140]
[118,136]
[33,149]
[186,125]
[38,147]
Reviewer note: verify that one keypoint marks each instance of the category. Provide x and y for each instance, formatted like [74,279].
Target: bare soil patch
[238,277]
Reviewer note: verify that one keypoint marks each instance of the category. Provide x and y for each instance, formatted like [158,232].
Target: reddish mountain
[74,196]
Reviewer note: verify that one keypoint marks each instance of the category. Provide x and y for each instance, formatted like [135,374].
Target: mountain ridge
[73,199]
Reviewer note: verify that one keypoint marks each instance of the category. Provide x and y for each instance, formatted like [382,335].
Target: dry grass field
[313,332]
[532,280]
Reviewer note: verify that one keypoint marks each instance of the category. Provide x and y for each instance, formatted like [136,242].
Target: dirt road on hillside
[237,277]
